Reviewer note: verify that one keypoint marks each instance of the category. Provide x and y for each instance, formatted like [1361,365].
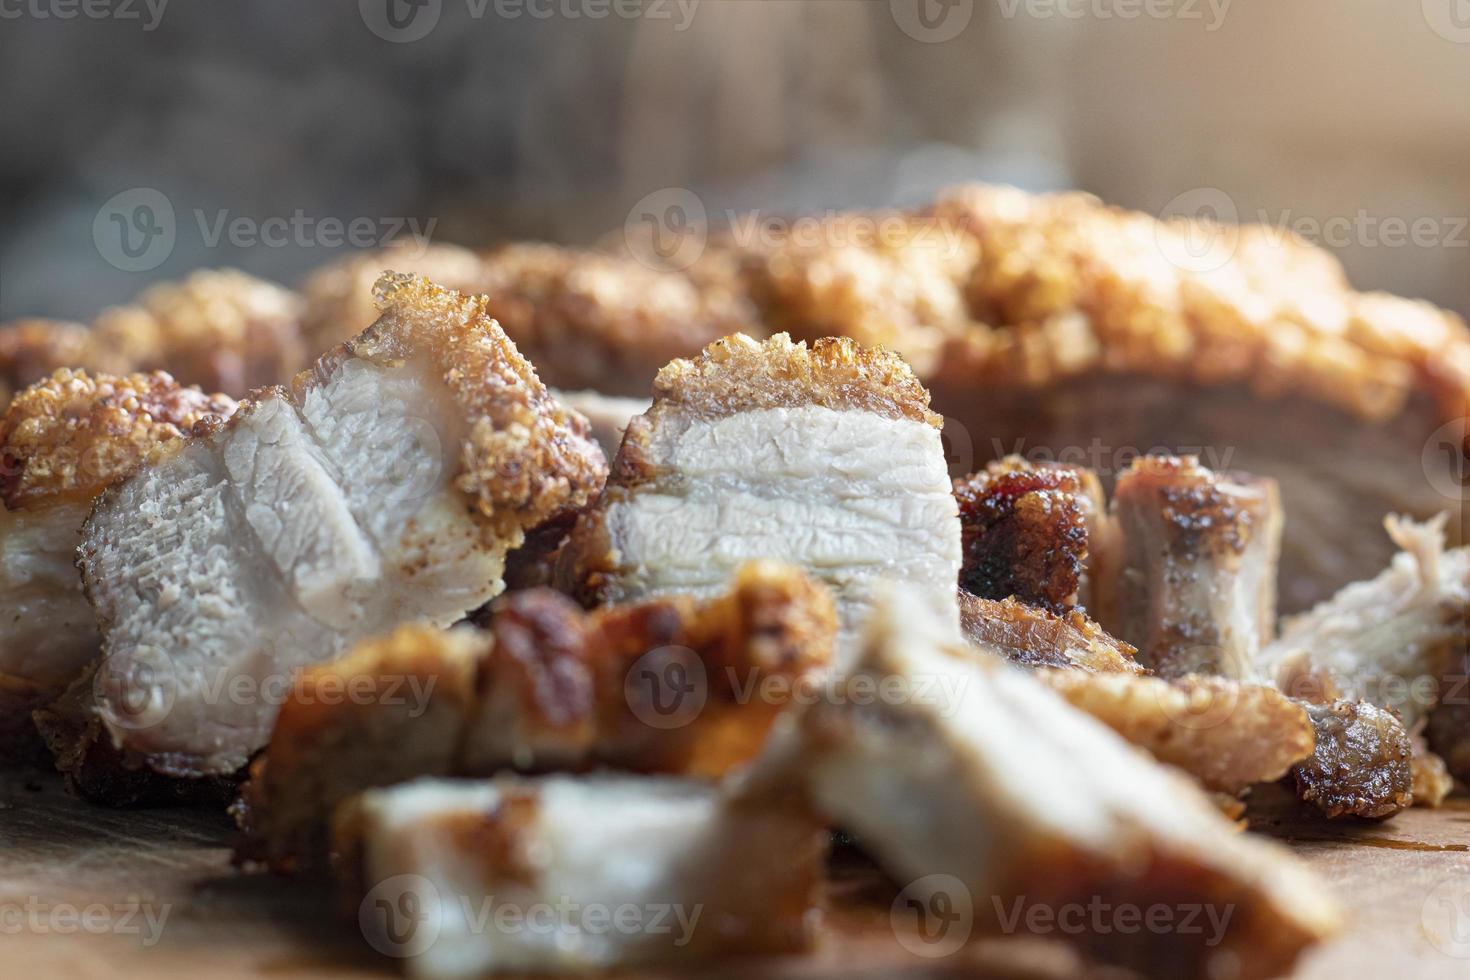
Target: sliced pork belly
[385,487]
[1196,593]
[1036,531]
[1229,736]
[32,348]
[1393,641]
[970,768]
[1362,764]
[62,441]
[219,328]
[1034,637]
[557,857]
[824,457]
[668,685]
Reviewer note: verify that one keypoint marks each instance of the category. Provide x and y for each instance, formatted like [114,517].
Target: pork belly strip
[969,768]
[62,441]
[33,347]
[1039,532]
[385,487]
[709,875]
[1393,641]
[825,457]
[1034,637]
[1196,589]
[669,685]
[1229,736]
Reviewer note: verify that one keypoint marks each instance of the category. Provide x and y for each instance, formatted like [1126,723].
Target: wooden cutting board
[87,892]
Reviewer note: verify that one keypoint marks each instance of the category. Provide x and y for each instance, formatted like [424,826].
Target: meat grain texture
[385,486]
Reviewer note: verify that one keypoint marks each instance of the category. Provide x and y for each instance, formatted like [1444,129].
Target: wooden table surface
[87,892]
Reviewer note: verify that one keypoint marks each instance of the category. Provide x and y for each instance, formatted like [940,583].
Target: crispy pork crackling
[972,769]
[1035,637]
[62,441]
[826,457]
[386,486]
[707,874]
[668,685]
[1196,593]
[1037,531]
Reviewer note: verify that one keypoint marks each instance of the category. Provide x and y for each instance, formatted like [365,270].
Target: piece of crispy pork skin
[825,457]
[385,487]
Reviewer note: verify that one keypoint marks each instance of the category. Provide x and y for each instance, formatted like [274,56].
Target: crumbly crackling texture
[1067,286]
[1227,735]
[740,374]
[526,458]
[1035,637]
[73,434]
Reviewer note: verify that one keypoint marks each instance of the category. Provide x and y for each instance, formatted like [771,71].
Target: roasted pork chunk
[824,457]
[1035,637]
[1196,590]
[1394,641]
[31,349]
[62,441]
[221,329]
[1039,532]
[385,487]
[526,875]
[1229,736]
[668,685]
[969,768]
[1362,763]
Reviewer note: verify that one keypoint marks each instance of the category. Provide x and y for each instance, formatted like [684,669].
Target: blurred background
[278,132]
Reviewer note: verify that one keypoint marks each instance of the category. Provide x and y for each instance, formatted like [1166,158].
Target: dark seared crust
[1024,532]
[99,772]
[588,320]
[739,374]
[72,434]
[1448,731]
[1035,637]
[1361,765]
[221,329]
[546,688]
[525,459]
[1227,735]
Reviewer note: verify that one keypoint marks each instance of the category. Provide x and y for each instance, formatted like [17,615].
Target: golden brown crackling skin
[740,374]
[526,458]
[1068,286]
[1361,766]
[1227,735]
[72,434]
[1036,637]
[564,670]
[219,328]
[32,348]
[1024,533]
